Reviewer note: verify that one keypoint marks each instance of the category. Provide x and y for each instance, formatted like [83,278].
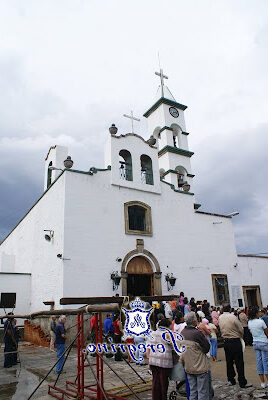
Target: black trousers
[234,354]
[10,359]
[248,337]
[118,354]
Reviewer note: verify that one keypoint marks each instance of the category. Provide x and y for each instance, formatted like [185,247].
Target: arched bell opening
[176,129]
[147,170]
[125,165]
[181,177]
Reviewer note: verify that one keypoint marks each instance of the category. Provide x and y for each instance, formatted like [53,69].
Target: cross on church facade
[162,77]
[132,119]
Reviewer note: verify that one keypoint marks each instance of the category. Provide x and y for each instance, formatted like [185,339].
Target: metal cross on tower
[162,77]
[132,119]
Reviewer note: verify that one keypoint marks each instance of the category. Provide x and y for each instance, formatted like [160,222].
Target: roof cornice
[175,150]
[251,255]
[213,214]
[163,100]
[135,135]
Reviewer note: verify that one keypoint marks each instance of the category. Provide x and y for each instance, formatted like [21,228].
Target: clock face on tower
[174,112]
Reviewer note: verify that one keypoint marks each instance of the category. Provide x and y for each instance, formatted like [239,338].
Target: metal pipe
[133,369]
[40,383]
[118,376]
[97,380]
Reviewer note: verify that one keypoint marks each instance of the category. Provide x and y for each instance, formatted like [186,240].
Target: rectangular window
[220,289]
[8,300]
[138,220]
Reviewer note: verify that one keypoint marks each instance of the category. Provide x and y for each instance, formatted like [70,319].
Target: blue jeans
[199,386]
[139,354]
[261,352]
[60,351]
[213,347]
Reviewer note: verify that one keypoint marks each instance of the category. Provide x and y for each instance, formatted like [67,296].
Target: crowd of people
[201,326]
[197,321]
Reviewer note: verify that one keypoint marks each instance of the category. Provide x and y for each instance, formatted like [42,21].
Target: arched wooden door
[139,277]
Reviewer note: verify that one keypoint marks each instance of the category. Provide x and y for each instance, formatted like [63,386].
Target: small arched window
[125,165]
[138,220]
[49,174]
[147,170]
[176,134]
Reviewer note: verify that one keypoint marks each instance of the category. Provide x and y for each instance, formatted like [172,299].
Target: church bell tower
[167,124]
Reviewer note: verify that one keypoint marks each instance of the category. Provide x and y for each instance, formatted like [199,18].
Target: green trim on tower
[175,150]
[170,171]
[95,170]
[175,171]
[163,100]
[196,206]
[176,190]
[181,167]
[165,127]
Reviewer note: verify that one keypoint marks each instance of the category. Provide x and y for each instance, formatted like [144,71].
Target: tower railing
[125,173]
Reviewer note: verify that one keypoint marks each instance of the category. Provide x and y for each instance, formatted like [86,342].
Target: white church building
[135,219]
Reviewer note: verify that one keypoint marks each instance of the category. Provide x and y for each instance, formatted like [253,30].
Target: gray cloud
[231,176]
[69,69]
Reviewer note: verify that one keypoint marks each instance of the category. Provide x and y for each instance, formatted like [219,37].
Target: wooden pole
[115,299]
[86,309]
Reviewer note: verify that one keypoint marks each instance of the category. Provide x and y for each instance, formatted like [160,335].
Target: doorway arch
[139,277]
[141,262]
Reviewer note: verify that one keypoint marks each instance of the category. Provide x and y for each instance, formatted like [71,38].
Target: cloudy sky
[70,68]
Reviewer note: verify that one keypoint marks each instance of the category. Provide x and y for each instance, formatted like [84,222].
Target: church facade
[129,228]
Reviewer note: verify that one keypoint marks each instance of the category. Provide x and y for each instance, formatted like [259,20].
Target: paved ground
[17,383]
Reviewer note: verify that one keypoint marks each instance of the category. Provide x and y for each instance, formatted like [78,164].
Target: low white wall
[19,283]
[26,250]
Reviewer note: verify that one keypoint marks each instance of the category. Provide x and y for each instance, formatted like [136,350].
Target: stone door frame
[258,294]
[140,251]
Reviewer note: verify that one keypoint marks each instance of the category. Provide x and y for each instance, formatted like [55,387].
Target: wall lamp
[171,280]
[49,236]
[116,278]
[60,256]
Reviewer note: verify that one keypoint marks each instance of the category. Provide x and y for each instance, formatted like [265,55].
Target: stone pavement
[17,383]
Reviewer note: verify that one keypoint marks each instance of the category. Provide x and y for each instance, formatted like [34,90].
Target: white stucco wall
[26,250]
[19,283]
[87,215]
[187,242]
[253,271]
